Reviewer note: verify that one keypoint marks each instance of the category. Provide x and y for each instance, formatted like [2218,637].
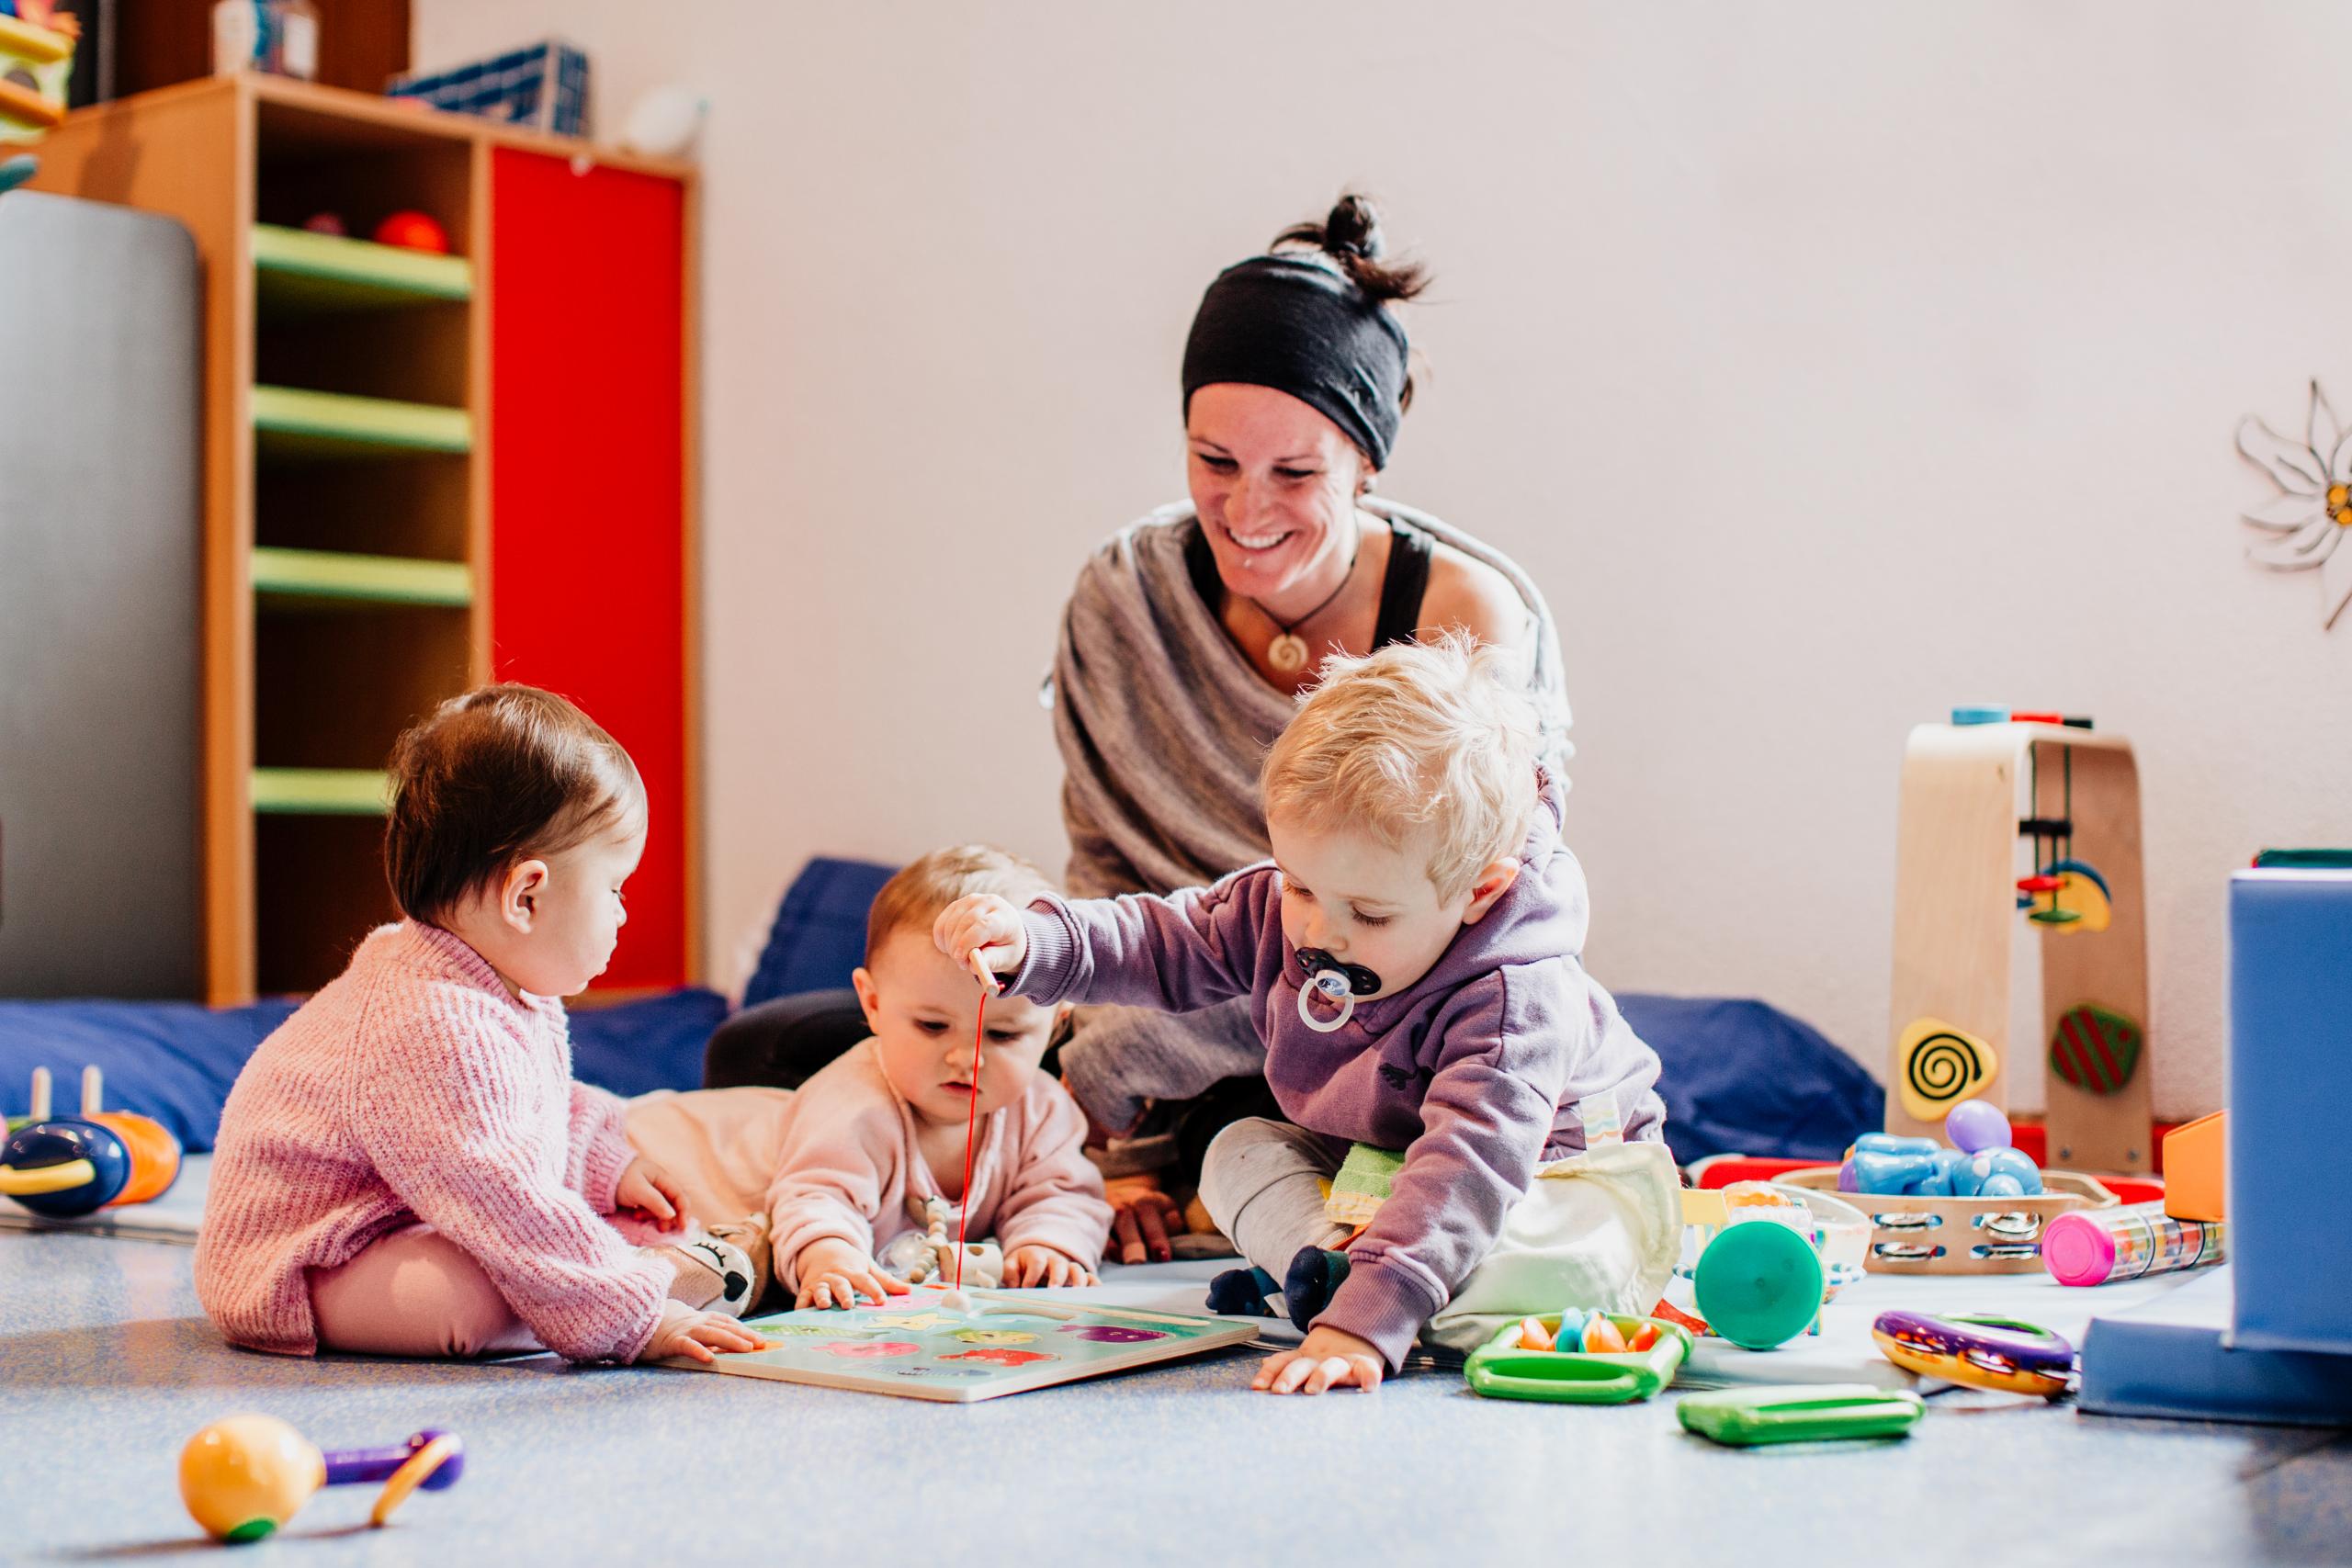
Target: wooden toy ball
[245,1477]
[415,232]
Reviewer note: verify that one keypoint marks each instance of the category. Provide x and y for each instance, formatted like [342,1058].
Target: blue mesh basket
[544,86]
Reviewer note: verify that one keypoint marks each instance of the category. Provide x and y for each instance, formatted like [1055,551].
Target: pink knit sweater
[851,1168]
[413,1086]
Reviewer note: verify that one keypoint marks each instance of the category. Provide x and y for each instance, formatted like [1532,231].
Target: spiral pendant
[1287,653]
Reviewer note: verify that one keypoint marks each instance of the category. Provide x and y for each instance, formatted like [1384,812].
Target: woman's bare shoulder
[1466,593]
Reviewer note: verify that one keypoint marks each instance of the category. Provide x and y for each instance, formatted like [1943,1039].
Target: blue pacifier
[1337,983]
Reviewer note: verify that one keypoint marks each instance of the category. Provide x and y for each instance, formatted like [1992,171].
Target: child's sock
[1315,1275]
[717,1271]
[750,1233]
[1241,1293]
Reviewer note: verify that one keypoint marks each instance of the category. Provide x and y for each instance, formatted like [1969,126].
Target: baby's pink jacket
[414,1086]
[850,1164]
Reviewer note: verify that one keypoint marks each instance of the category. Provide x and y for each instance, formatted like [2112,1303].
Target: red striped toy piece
[2094,1050]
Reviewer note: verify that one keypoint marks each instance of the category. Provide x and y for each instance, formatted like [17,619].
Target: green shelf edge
[381,580]
[298,423]
[320,792]
[299,270]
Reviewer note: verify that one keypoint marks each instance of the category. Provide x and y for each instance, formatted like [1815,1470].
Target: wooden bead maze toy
[1979,796]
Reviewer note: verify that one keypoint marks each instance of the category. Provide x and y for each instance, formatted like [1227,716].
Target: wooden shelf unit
[370,548]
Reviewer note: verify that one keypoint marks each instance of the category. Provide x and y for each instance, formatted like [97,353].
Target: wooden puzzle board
[916,1349]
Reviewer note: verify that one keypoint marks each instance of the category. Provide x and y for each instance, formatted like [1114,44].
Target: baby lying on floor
[849,1162]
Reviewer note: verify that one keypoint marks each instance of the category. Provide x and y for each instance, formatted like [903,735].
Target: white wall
[1828,364]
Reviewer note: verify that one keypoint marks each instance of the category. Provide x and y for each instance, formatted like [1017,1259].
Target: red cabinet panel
[587,484]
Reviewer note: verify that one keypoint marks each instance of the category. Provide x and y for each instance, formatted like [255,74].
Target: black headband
[1301,326]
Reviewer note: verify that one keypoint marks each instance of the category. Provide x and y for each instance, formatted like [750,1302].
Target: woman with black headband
[1190,635]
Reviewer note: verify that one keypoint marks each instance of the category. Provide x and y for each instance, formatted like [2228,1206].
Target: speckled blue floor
[106,1366]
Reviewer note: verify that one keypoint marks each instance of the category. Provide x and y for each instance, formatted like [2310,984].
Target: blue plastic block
[2291,1108]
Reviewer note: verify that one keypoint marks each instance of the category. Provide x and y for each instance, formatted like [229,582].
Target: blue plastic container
[2291,1108]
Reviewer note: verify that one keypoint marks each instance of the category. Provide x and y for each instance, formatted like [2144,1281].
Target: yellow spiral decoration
[1937,1067]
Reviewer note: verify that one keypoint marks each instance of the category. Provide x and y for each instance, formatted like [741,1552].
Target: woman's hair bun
[1352,228]
[1350,235]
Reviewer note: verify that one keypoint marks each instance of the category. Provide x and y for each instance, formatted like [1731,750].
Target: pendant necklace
[1287,652]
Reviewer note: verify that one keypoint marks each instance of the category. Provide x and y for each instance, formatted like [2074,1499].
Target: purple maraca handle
[348,1465]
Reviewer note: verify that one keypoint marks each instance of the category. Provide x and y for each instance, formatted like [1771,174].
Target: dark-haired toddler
[407,1167]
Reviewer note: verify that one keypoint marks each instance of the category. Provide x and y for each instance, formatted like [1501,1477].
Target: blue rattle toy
[62,1166]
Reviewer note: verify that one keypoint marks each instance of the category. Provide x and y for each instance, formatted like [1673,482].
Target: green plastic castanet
[1800,1413]
[1500,1370]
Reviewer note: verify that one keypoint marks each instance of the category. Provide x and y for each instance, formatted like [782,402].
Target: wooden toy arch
[1956,912]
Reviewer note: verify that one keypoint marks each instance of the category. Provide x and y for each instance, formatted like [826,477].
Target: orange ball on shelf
[415,232]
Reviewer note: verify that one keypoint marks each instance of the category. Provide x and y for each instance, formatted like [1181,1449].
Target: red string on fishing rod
[972,1117]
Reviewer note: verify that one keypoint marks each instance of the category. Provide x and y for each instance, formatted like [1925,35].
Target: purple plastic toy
[1976,1125]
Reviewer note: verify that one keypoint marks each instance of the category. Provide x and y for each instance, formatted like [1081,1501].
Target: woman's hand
[1330,1359]
[985,924]
[1037,1265]
[686,1332]
[833,1273]
[1142,1216]
[652,1192]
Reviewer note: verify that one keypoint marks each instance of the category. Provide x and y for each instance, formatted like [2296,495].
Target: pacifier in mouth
[1335,985]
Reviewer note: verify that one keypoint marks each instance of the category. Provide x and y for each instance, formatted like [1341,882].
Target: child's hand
[1330,1359]
[646,1187]
[686,1332]
[985,923]
[1036,1265]
[833,1272]
[1142,1216]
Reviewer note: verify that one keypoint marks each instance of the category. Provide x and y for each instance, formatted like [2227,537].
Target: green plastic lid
[1758,1284]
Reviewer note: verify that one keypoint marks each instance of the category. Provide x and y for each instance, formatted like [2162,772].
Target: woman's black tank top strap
[1401,590]
[1409,549]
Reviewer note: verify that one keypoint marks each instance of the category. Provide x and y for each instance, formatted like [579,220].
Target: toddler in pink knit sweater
[407,1165]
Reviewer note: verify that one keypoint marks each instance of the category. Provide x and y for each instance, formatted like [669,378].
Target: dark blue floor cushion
[820,931]
[175,1061]
[1743,1077]
[1739,1076]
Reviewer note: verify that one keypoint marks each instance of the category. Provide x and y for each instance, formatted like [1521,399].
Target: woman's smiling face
[1276,484]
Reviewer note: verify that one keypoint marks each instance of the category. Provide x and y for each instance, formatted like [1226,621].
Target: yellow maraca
[244,1477]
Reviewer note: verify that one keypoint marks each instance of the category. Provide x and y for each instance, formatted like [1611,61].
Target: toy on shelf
[68,1166]
[328,223]
[1578,1358]
[2115,1244]
[1981,1351]
[244,1477]
[544,86]
[413,231]
[36,59]
[1800,1413]
[1995,787]
[664,121]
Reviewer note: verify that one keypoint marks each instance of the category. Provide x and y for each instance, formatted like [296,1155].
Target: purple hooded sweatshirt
[1472,1070]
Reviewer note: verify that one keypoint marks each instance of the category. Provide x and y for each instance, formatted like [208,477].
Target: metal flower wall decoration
[2308,520]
